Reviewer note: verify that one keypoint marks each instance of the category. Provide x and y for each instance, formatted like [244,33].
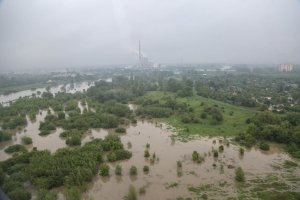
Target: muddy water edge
[166,180]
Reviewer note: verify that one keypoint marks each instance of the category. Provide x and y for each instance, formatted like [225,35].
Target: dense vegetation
[66,167]
[4,136]
[270,127]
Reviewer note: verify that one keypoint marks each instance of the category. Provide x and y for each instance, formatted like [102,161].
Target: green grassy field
[231,125]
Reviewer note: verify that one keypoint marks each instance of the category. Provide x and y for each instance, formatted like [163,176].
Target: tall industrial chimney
[140,54]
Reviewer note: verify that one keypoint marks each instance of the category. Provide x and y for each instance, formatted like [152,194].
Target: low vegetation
[146,169]
[66,167]
[274,128]
[264,146]
[239,175]
[4,136]
[104,169]
[133,170]
[16,148]
[26,140]
[132,195]
[118,170]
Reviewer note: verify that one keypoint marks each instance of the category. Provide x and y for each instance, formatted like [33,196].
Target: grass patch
[231,125]
[289,164]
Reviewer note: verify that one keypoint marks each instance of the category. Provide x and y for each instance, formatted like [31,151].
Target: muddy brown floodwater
[68,88]
[164,181]
[163,173]
[50,142]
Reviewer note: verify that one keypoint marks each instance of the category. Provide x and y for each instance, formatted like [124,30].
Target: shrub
[203,115]
[142,190]
[152,161]
[69,133]
[171,185]
[15,148]
[120,154]
[290,164]
[74,140]
[154,111]
[221,148]
[179,164]
[153,156]
[118,170]
[44,132]
[216,154]
[131,194]
[264,146]
[147,145]
[239,175]
[242,151]
[26,140]
[133,170]
[61,115]
[120,130]
[4,136]
[195,155]
[104,169]
[43,194]
[111,157]
[146,168]
[73,193]
[123,154]
[146,154]
[47,126]
[19,193]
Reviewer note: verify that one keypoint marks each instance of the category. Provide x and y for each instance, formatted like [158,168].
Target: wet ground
[50,142]
[68,88]
[165,180]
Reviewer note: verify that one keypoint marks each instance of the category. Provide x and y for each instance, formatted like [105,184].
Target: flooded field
[68,88]
[50,142]
[166,181]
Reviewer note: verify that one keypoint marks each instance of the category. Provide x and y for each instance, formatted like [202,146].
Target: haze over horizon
[72,33]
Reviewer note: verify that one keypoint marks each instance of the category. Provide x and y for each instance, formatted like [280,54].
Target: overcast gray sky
[70,33]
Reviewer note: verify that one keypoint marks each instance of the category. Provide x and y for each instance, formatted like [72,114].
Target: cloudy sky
[78,33]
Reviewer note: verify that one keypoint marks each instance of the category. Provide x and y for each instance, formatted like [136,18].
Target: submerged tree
[239,175]
[118,170]
[132,195]
[133,170]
